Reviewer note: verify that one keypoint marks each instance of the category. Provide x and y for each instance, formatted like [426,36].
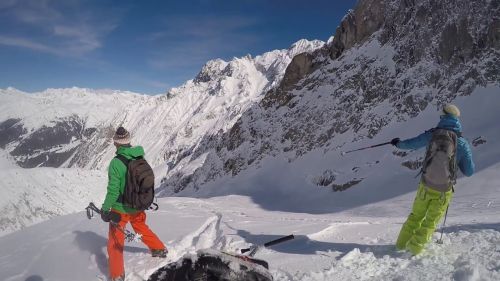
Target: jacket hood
[130,152]
[450,122]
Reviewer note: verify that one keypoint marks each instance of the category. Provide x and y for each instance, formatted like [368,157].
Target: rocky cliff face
[388,61]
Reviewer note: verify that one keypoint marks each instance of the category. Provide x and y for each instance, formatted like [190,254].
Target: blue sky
[146,46]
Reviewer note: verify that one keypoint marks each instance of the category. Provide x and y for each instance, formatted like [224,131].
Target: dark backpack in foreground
[212,265]
[439,169]
[139,190]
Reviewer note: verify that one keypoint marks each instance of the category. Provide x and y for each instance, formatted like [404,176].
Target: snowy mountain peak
[210,70]
[72,126]
[270,63]
[304,45]
[10,90]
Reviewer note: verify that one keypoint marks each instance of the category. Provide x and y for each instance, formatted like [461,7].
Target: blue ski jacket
[464,153]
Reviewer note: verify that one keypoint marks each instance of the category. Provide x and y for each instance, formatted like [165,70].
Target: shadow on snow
[95,244]
[471,227]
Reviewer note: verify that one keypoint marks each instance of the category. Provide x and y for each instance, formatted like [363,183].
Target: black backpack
[139,190]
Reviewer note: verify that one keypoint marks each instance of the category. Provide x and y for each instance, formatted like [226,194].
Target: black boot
[159,253]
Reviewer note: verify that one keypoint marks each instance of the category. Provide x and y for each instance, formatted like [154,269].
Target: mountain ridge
[88,115]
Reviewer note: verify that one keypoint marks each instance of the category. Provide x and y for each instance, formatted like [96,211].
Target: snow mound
[209,235]
[465,255]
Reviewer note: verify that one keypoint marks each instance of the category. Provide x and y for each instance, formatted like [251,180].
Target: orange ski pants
[116,240]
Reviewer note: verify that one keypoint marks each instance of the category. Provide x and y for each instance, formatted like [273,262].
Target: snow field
[29,196]
[5,161]
[337,246]
[339,236]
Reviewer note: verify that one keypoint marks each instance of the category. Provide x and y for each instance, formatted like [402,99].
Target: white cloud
[64,28]
[188,41]
[26,43]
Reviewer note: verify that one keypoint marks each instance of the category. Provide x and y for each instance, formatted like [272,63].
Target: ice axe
[363,148]
[253,250]
[114,220]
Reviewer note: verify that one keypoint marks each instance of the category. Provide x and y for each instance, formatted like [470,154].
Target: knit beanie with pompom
[122,136]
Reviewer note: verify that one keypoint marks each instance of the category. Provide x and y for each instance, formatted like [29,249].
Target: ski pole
[129,236]
[440,241]
[377,145]
[253,249]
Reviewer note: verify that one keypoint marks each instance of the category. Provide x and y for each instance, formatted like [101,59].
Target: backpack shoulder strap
[124,160]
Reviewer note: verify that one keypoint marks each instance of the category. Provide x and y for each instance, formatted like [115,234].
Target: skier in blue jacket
[430,203]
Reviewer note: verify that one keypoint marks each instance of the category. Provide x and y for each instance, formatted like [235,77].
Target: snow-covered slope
[339,236]
[5,160]
[52,127]
[324,181]
[390,62]
[29,196]
[350,245]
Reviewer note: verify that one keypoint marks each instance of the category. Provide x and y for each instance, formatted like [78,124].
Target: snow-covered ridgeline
[72,127]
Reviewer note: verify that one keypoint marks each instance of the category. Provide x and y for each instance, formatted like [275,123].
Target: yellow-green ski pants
[428,209]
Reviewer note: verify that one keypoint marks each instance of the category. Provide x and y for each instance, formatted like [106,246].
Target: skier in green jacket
[117,173]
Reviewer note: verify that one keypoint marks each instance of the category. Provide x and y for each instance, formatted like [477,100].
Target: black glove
[395,141]
[105,215]
[114,217]
[108,216]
